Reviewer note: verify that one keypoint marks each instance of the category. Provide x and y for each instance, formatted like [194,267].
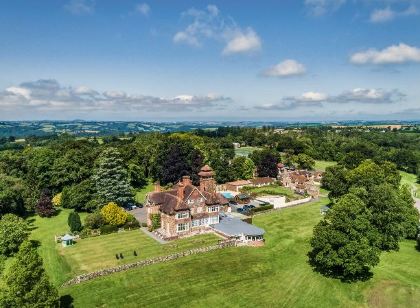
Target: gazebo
[67,240]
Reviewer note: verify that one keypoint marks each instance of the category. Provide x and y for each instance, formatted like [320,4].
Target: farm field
[90,254]
[275,275]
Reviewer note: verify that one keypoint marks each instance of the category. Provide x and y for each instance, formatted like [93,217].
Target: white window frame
[182,215]
[213,209]
[182,227]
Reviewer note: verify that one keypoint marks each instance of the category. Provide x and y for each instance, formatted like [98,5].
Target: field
[276,275]
[321,165]
[90,254]
[410,179]
[140,196]
[245,151]
[273,190]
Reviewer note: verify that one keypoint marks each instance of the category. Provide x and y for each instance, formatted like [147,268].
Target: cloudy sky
[220,60]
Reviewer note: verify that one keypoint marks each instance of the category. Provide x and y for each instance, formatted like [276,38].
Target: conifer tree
[111,179]
[74,222]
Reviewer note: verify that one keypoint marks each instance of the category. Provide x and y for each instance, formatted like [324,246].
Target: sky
[289,60]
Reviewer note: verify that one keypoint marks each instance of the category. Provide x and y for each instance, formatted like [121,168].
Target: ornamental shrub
[74,222]
[94,220]
[56,201]
[107,229]
[114,215]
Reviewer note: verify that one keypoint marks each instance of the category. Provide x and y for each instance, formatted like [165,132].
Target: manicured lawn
[321,165]
[273,190]
[411,180]
[276,275]
[95,253]
[245,151]
[63,263]
[141,193]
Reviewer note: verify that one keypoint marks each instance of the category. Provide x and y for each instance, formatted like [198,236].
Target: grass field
[273,190]
[276,275]
[321,165]
[411,180]
[245,151]
[141,193]
[63,263]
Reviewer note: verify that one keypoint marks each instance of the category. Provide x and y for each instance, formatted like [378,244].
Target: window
[182,215]
[195,223]
[212,209]
[213,220]
[182,227]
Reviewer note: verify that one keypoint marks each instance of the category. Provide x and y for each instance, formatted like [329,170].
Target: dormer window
[212,209]
[182,215]
[189,201]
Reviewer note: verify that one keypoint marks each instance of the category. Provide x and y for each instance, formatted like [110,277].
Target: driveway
[140,214]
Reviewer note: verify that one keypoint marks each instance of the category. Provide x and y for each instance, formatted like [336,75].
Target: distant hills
[101,128]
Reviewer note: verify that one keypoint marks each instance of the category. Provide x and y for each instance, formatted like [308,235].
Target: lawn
[321,165]
[140,196]
[276,275]
[63,263]
[273,190]
[245,151]
[411,180]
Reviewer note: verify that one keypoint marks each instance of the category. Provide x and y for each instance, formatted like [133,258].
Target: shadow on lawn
[66,301]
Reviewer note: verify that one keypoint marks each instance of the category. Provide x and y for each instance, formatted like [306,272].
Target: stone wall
[105,272]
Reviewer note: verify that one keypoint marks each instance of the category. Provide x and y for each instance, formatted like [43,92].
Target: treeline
[79,169]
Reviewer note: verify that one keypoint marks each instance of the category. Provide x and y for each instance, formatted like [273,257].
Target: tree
[44,207]
[26,283]
[74,222]
[335,181]
[13,231]
[111,179]
[79,196]
[178,157]
[113,214]
[136,176]
[304,161]
[242,168]
[344,243]
[266,162]
[12,195]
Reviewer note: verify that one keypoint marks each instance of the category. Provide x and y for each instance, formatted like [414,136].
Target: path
[153,236]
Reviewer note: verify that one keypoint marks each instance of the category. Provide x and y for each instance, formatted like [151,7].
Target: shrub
[131,223]
[143,224]
[57,199]
[114,214]
[74,222]
[262,208]
[155,221]
[107,229]
[94,221]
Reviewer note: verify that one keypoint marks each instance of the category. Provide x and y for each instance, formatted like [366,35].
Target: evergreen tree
[74,222]
[45,207]
[26,283]
[111,179]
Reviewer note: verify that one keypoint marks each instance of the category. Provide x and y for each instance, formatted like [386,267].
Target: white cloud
[285,68]
[318,99]
[143,8]
[49,95]
[322,7]
[209,24]
[243,42]
[395,54]
[80,7]
[388,14]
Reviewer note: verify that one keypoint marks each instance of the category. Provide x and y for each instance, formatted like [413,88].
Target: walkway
[153,236]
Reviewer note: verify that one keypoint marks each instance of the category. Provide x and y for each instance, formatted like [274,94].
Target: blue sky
[218,60]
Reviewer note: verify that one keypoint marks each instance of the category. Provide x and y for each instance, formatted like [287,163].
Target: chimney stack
[157,186]
[180,191]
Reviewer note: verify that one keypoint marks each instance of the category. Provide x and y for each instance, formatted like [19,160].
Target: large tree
[111,179]
[178,157]
[80,197]
[26,283]
[12,195]
[45,207]
[344,243]
[242,168]
[266,162]
[13,231]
